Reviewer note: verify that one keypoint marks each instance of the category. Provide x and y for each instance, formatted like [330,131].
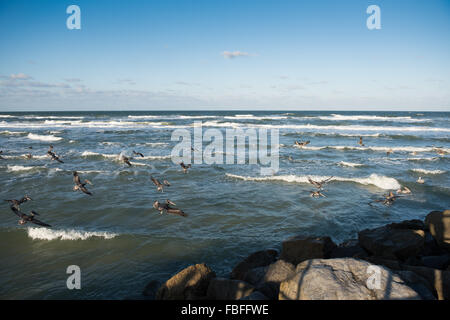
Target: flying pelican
[389,152]
[420,180]
[1,158]
[138,154]
[159,185]
[319,184]
[388,199]
[53,155]
[79,185]
[361,142]
[317,194]
[16,203]
[301,144]
[161,207]
[185,167]
[126,160]
[404,190]
[28,156]
[24,218]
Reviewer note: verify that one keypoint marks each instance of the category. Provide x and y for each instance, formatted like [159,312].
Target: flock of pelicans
[388,198]
[168,206]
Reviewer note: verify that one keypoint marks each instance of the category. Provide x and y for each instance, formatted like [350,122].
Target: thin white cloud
[20,76]
[234,54]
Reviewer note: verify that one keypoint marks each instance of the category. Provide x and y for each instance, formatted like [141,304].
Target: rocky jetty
[408,260]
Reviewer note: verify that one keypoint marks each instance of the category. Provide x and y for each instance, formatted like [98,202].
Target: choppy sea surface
[121,243]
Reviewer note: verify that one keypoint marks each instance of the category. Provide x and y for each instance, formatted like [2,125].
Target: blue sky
[163,55]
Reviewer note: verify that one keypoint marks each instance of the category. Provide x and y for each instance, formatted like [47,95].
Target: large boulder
[438,280]
[438,222]
[392,242]
[227,289]
[347,279]
[276,273]
[189,284]
[299,248]
[256,259]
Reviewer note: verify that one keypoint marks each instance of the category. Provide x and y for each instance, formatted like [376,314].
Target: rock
[256,259]
[391,242]
[190,283]
[227,289]
[437,279]
[436,262]
[348,249]
[408,224]
[255,276]
[298,249]
[438,222]
[151,288]
[346,279]
[276,273]
[255,295]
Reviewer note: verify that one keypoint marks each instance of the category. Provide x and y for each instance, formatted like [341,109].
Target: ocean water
[121,243]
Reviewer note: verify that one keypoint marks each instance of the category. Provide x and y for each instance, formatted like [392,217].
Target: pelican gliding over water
[79,185]
[16,203]
[24,218]
[161,207]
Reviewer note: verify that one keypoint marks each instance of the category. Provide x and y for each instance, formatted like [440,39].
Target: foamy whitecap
[96,154]
[381,182]
[6,132]
[33,136]
[340,117]
[424,171]
[21,168]
[350,164]
[69,234]
[378,149]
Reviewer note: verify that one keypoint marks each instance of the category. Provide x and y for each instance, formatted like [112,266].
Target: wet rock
[346,279]
[228,289]
[255,295]
[438,222]
[188,284]
[348,249]
[436,262]
[394,243]
[276,273]
[256,259]
[151,288]
[299,248]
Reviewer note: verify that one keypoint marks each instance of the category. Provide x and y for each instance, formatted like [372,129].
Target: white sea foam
[6,132]
[340,117]
[424,171]
[373,148]
[350,164]
[381,182]
[6,116]
[68,234]
[96,154]
[33,136]
[21,168]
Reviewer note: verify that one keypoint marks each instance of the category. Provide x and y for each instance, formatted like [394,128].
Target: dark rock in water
[189,284]
[256,259]
[439,224]
[436,262]
[255,295]
[151,288]
[394,243]
[349,279]
[226,289]
[408,224]
[348,249]
[299,248]
[255,276]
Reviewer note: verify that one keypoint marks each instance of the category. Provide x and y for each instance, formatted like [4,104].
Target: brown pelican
[159,185]
[24,218]
[28,156]
[389,152]
[16,203]
[53,155]
[301,144]
[388,199]
[1,158]
[319,184]
[185,167]
[361,142]
[439,151]
[79,185]
[404,190]
[420,180]
[138,154]
[317,194]
[161,207]
[126,160]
